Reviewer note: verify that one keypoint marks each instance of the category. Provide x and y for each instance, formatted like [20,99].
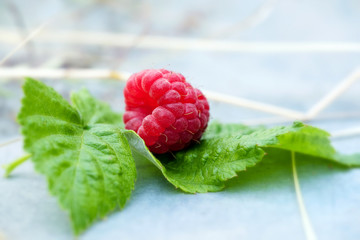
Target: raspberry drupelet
[165,110]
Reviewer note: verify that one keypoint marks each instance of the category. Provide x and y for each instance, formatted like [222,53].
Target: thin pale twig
[63,73]
[103,73]
[11,141]
[322,117]
[289,114]
[346,133]
[22,28]
[264,107]
[32,35]
[23,42]
[179,43]
[332,95]
[257,17]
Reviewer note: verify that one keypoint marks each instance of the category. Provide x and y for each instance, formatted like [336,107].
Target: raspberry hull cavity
[165,110]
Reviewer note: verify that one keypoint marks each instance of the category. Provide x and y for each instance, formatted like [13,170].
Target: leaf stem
[10,167]
[309,232]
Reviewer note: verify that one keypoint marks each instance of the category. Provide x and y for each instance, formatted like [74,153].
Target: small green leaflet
[88,163]
[228,149]
[94,111]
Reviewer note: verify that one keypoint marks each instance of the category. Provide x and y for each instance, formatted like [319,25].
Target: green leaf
[305,139]
[308,140]
[205,167]
[202,168]
[300,138]
[228,149]
[89,166]
[93,111]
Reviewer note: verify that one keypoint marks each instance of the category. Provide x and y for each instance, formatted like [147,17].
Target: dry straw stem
[263,107]
[322,117]
[23,42]
[333,94]
[21,25]
[256,18]
[11,141]
[179,43]
[63,73]
[287,115]
[237,101]
[346,133]
[123,76]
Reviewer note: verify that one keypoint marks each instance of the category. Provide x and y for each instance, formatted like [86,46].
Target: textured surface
[260,203]
[165,110]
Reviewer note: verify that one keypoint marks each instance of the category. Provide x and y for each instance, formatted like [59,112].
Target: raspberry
[165,110]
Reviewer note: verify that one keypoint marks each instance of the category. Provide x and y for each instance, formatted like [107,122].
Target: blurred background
[286,53]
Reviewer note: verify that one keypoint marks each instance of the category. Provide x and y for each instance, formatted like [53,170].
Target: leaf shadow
[274,172]
[149,175]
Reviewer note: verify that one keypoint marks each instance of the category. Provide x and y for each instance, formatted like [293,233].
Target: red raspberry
[165,110]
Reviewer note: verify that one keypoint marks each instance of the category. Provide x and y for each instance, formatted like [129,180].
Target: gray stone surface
[264,208]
